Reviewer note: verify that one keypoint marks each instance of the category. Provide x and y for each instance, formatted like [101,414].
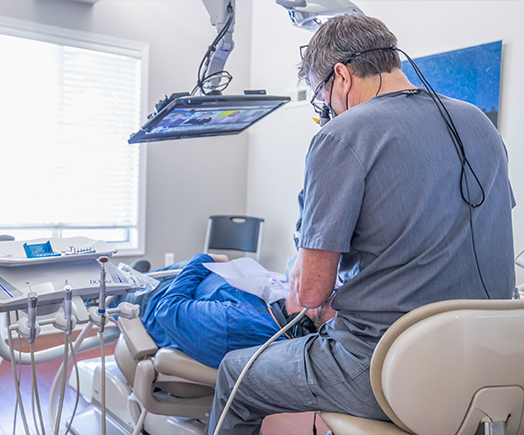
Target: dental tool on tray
[40,250]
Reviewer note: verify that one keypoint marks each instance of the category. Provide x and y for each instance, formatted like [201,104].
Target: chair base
[89,422]
[119,420]
[492,428]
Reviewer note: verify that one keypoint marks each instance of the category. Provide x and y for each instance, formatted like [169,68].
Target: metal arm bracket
[219,15]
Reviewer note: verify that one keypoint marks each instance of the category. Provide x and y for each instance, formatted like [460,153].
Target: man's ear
[343,72]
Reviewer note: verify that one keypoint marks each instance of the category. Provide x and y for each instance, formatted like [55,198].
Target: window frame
[108,44]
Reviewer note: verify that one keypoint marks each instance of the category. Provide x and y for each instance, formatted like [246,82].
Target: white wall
[277,149]
[189,179]
[276,158]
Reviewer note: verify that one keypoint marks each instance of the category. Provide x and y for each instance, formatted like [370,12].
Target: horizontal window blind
[66,114]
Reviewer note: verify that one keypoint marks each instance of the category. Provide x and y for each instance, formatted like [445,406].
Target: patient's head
[219,258]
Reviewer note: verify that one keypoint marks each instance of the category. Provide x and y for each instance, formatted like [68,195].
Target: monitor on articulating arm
[187,115]
[209,115]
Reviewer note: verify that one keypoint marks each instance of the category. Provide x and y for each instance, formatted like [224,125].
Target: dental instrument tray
[50,250]
[48,281]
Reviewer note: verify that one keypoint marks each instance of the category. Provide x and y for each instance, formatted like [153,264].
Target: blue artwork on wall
[470,74]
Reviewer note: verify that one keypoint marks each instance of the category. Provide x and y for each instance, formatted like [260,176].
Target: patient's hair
[344,36]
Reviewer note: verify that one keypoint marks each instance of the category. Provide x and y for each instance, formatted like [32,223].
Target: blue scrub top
[205,317]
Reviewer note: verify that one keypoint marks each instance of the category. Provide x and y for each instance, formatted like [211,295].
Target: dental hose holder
[65,321]
[99,316]
[102,297]
[27,327]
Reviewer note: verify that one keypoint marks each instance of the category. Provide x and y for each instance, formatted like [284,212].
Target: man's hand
[313,276]
[318,316]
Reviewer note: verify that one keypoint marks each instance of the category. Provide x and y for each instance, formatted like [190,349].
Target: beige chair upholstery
[165,381]
[445,368]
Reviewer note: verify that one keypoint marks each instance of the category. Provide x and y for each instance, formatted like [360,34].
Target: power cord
[63,387]
[72,350]
[457,141]
[15,377]
[202,78]
[34,393]
[248,366]
[58,376]
[19,372]
[459,147]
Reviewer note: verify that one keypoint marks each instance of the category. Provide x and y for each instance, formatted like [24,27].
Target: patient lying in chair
[201,314]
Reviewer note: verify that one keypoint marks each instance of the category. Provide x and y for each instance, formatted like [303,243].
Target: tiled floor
[283,424]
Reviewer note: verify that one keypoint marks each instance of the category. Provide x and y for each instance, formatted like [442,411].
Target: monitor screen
[187,117]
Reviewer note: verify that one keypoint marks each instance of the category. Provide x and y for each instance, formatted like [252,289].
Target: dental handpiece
[102,294]
[68,307]
[32,302]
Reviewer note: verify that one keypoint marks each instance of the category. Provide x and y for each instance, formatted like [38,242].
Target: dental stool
[166,381]
[452,367]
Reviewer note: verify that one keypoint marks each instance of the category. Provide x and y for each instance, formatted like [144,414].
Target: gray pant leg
[304,374]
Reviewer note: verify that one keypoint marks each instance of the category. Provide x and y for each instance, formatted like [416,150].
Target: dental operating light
[311,14]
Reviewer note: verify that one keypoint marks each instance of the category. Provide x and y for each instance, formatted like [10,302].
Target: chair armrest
[163,403]
[139,342]
[174,362]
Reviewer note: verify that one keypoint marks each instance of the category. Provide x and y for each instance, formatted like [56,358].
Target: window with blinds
[67,108]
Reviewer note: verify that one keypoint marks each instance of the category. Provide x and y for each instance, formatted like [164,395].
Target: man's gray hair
[346,35]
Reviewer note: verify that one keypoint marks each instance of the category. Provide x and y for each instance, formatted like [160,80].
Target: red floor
[283,424]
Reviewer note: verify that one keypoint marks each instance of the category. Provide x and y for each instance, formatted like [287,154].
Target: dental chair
[452,367]
[165,381]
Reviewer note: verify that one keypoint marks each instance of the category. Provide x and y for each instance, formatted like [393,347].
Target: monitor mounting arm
[310,14]
[220,12]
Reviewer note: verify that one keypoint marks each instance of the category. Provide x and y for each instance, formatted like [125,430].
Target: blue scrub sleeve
[197,326]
